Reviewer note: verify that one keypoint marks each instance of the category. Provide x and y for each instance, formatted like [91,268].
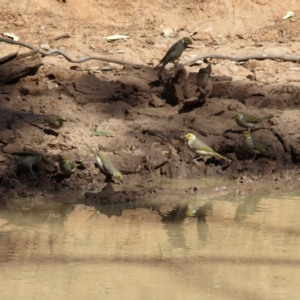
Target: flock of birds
[243,120]
[27,159]
[251,145]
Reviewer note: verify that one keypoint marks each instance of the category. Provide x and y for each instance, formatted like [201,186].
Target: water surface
[187,248]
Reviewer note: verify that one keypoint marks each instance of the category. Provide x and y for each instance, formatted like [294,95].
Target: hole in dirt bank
[51,76]
[294,156]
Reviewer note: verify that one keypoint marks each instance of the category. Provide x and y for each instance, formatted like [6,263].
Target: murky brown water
[201,249]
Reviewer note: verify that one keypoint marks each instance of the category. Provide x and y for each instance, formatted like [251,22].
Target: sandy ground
[146,119]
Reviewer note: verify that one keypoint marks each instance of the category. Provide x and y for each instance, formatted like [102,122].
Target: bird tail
[43,121]
[267,117]
[160,70]
[160,62]
[91,149]
[216,154]
[270,154]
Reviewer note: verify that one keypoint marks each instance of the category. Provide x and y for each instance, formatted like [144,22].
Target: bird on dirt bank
[55,122]
[66,166]
[174,52]
[29,158]
[200,148]
[203,76]
[247,121]
[105,165]
[253,147]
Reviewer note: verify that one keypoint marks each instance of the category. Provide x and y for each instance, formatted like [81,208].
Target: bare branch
[259,56]
[79,60]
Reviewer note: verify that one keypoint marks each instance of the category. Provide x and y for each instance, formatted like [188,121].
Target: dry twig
[79,60]
[259,56]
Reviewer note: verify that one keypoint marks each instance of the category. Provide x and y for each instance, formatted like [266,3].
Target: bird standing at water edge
[105,165]
[66,166]
[253,147]
[200,148]
[247,121]
[174,52]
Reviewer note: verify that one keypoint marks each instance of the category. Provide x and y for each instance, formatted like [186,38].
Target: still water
[200,248]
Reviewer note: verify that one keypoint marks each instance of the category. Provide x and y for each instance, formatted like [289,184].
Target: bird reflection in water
[173,222]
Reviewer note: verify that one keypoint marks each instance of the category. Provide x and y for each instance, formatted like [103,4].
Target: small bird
[200,148]
[105,165]
[29,158]
[203,76]
[253,147]
[66,166]
[174,52]
[248,121]
[55,122]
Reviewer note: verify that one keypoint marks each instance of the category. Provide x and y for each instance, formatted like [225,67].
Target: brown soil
[147,119]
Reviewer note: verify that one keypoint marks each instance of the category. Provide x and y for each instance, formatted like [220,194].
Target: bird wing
[259,147]
[207,149]
[199,145]
[250,119]
[263,150]
[172,49]
[106,166]
[202,79]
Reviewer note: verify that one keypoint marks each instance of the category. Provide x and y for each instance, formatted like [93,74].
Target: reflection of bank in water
[34,214]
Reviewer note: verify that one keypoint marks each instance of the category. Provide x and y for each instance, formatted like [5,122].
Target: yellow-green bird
[174,52]
[247,121]
[29,158]
[55,122]
[200,148]
[66,166]
[105,165]
[253,147]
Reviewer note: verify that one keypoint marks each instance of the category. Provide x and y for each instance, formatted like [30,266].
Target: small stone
[45,46]
[19,23]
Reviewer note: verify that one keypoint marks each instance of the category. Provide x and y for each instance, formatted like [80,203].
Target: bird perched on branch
[247,121]
[105,165]
[29,158]
[200,148]
[66,166]
[203,76]
[255,148]
[174,52]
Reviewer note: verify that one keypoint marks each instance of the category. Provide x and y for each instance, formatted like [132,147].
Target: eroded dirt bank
[145,122]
